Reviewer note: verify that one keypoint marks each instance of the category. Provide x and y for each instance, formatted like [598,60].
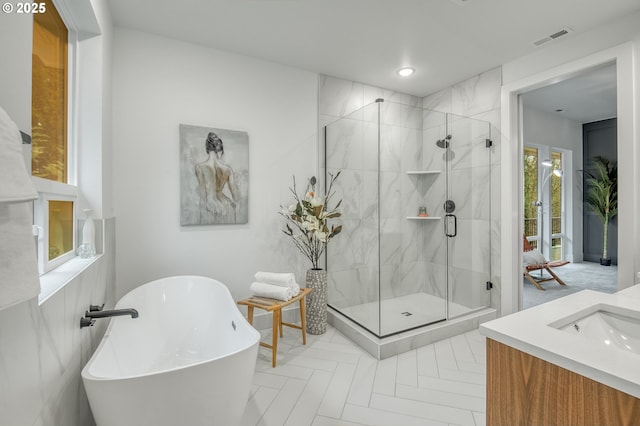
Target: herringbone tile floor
[332,381]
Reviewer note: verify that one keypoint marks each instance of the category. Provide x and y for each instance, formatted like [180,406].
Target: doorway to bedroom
[566,130]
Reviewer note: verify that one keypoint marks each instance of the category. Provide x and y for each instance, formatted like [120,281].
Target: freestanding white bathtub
[188,359]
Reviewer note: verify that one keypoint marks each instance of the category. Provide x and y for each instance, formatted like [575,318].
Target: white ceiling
[585,98]
[447,41]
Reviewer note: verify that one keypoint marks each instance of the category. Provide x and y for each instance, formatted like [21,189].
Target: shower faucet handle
[96,308]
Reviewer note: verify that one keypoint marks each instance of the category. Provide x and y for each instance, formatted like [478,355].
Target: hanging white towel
[284,279]
[15,182]
[271,291]
[19,280]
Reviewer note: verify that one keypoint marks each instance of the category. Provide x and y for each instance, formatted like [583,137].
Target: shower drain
[406,314]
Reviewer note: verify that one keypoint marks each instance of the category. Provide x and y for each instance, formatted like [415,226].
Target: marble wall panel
[435,279]
[352,287]
[344,144]
[44,350]
[370,195]
[400,115]
[468,288]
[411,279]
[349,187]
[477,94]
[479,98]
[372,93]
[392,139]
[470,188]
[391,241]
[371,147]
[411,151]
[412,247]
[470,249]
[390,195]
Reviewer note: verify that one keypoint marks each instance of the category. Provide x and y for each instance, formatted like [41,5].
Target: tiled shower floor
[332,381]
[402,313]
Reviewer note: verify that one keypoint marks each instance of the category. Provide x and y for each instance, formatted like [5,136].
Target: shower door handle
[447,219]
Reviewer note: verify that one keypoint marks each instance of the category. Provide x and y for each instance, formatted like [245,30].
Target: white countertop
[529,331]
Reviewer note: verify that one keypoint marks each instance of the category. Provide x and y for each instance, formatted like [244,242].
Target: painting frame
[214,176]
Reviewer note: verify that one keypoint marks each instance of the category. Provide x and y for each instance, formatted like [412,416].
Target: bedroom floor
[331,381]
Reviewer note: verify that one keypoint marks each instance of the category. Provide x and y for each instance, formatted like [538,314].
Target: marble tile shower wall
[477,98]
[356,264]
[43,349]
[412,254]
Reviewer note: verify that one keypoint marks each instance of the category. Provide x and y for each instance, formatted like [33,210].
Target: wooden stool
[275,306]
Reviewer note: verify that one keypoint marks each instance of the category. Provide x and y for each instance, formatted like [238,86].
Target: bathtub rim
[85,374]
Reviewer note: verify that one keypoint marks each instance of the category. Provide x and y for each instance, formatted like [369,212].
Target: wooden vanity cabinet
[525,390]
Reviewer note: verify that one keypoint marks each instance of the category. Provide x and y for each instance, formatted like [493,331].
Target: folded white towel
[284,279]
[272,291]
[295,289]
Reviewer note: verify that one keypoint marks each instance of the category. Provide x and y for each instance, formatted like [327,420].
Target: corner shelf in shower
[423,218]
[423,172]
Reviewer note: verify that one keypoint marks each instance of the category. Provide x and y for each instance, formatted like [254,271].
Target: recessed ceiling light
[406,71]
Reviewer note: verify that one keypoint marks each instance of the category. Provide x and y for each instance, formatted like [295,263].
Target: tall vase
[317,301]
[88,246]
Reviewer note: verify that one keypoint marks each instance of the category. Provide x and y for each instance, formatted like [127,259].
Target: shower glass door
[467,220]
[411,191]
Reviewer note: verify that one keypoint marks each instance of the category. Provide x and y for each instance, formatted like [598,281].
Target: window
[54,212]
[556,207]
[544,200]
[531,195]
[49,96]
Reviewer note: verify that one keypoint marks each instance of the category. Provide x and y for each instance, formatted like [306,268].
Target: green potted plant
[602,196]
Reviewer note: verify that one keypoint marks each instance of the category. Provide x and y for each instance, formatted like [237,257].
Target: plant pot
[605,262]
[317,301]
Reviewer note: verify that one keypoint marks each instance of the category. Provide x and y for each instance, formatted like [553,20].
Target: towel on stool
[283,279]
[271,291]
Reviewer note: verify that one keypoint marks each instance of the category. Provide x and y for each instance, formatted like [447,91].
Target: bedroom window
[51,168]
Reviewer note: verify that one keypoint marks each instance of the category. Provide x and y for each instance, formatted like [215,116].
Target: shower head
[443,143]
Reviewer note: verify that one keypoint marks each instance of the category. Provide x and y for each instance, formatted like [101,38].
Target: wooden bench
[275,306]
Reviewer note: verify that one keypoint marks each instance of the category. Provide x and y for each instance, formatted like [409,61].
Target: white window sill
[56,279]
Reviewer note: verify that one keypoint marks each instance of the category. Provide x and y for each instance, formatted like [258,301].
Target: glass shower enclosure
[416,213]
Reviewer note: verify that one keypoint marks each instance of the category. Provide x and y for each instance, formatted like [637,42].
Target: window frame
[50,190]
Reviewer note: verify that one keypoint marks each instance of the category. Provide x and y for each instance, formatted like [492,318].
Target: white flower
[322,236]
[310,223]
[316,201]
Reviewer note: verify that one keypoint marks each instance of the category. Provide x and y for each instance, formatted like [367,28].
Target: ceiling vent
[561,33]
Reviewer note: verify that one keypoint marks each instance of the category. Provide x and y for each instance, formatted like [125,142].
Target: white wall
[542,128]
[15,84]
[160,83]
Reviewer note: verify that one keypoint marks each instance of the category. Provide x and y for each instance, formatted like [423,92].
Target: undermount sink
[605,325]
